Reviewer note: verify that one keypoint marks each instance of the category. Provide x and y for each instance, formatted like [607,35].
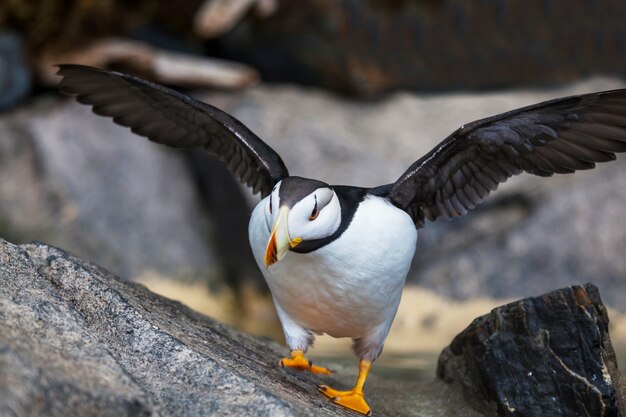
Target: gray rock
[49,363]
[77,341]
[83,183]
[570,233]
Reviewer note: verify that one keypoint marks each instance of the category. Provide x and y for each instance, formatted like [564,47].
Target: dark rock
[15,82]
[64,26]
[226,204]
[78,341]
[371,47]
[544,356]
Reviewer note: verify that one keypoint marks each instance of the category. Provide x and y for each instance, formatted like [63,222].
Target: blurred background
[347,91]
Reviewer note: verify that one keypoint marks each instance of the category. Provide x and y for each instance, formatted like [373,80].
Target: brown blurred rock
[371,47]
[150,62]
[59,25]
[216,17]
[364,47]
[543,356]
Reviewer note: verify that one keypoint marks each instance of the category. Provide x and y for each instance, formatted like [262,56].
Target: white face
[316,216]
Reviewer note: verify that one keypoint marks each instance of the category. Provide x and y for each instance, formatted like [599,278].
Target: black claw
[369,413]
[282,365]
[322,388]
[335,399]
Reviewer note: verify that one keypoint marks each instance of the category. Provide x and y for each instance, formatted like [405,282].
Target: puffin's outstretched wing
[174,119]
[556,136]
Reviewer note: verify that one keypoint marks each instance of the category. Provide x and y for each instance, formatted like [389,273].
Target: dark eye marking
[315,211]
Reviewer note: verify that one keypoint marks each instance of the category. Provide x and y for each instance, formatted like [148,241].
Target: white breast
[351,285]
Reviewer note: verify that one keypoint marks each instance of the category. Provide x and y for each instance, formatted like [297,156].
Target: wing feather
[170,118]
[557,136]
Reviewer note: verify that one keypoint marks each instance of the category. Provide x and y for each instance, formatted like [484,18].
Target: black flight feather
[556,136]
[170,118]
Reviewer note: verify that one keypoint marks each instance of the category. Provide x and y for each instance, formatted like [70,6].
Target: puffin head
[299,210]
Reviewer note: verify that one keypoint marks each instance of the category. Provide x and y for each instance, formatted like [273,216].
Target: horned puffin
[336,257]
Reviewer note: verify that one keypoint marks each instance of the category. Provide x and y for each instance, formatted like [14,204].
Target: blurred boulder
[14,70]
[533,235]
[569,228]
[369,47]
[148,61]
[542,356]
[572,230]
[97,33]
[83,183]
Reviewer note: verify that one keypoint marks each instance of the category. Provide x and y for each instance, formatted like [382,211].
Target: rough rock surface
[77,341]
[543,356]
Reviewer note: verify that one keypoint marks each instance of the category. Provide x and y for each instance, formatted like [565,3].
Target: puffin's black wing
[174,119]
[557,136]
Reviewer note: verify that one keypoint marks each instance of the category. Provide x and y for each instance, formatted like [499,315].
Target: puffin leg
[353,399]
[299,362]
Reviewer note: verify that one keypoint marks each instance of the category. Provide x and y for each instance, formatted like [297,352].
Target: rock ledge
[76,341]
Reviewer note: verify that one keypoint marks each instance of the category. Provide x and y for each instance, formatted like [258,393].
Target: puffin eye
[315,211]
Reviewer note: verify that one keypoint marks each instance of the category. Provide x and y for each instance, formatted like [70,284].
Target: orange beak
[279,242]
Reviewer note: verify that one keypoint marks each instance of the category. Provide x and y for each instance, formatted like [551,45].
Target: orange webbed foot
[353,399]
[299,362]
